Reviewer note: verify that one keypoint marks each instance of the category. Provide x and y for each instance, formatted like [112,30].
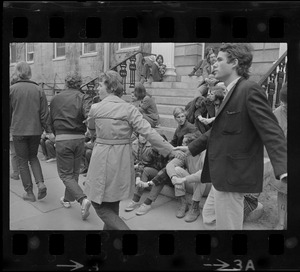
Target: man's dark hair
[243,53]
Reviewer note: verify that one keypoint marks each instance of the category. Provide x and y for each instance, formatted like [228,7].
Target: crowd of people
[216,149]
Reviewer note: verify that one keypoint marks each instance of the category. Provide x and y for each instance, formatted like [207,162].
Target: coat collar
[113,98]
[228,96]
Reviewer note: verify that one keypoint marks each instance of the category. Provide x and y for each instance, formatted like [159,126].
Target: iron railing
[121,67]
[273,80]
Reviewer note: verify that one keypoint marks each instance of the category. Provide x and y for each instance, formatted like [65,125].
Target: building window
[29,52]
[126,46]
[88,48]
[13,52]
[59,50]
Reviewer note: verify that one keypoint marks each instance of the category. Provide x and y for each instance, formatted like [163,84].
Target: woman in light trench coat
[110,177]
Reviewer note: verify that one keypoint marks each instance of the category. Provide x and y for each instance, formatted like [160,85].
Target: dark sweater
[186,128]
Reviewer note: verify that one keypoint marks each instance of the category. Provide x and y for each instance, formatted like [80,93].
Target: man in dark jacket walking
[68,111]
[243,125]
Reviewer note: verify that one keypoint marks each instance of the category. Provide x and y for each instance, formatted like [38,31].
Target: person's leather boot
[183,207]
[193,212]
[42,190]
[29,196]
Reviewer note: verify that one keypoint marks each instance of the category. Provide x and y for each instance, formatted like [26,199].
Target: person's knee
[179,171]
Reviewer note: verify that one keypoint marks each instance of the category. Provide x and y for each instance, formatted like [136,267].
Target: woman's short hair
[22,70]
[283,93]
[160,56]
[73,80]
[113,82]
[178,110]
[139,91]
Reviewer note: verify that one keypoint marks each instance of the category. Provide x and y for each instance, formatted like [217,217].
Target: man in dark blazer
[244,124]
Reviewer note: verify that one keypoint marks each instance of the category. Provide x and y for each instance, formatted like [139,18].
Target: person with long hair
[29,116]
[153,69]
[146,105]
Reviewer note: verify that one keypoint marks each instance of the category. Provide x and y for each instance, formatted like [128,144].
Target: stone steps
[165,109]
[167,96]
[175,101]
[172,85]
[167,120]
[180,92]
[167,131]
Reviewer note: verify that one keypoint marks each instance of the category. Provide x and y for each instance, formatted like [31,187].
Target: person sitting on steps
[180,173]
[202,63]
[147,164]
[153,69]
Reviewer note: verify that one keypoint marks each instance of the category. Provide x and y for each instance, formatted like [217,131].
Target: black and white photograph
[148,136]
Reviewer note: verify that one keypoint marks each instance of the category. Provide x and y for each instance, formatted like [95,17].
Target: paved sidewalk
[49,214]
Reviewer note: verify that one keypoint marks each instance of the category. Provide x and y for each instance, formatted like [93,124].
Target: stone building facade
[50,62]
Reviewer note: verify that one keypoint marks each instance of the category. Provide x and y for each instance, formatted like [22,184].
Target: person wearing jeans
[13,160]
[26,150]
[68,112]
[69,152]
[29,116]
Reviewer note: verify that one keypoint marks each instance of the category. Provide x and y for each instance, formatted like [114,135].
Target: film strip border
[140,250]
[239,21]
[234,21]
[92,27]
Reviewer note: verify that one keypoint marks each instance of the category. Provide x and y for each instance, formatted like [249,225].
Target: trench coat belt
[112,141]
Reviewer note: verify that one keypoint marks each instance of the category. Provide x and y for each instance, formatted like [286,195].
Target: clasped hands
[179,153]
[141,184]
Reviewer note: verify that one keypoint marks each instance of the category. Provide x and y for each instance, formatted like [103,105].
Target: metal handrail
[138,52]
[87,83]
[271,70]
[114,67]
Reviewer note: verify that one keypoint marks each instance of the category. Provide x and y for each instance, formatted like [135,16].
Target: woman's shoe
[85,206]
[29,196]
[42,190]
[66,204]
[131,206]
